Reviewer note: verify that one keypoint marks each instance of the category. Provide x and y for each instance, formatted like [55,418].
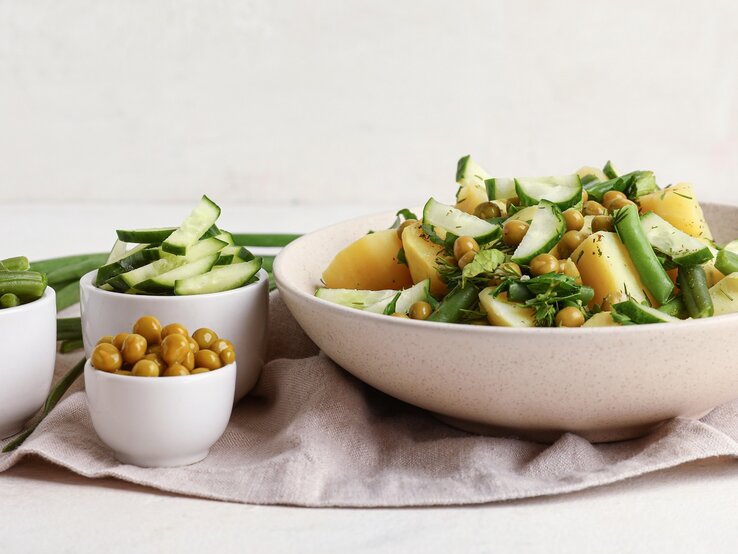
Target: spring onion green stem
[52,400]
[76,270]
[70,346]
[653,275]
[263,240]
[67,296]
[52,264]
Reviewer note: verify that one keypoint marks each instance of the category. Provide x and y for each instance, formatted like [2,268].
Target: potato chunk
[369,263]
[679,206]
[604,264]
[421,255]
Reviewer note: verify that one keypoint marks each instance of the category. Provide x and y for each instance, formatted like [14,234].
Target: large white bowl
[28,346]
[160,421]
[605,384]
[239,315]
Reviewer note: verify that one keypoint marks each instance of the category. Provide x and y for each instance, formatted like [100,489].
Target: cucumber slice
[218,279]
[165,282]
[359,299]
[226,237]
[525,214]
[168,262]
[546,230]
[200,220]
[148,236]
[678,245]
[609,170]
[641,314]
[732,246]
[644,183]
[564,191]
[117,252]
[403,300]
[459,223]
[500,188]
[134,258]
[468,172]
[234,255]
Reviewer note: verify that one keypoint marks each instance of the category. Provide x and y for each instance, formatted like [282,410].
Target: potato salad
[593,248]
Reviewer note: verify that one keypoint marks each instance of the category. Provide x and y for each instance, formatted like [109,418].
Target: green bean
[695,292]
[273,240]
[9,300]
[70,346]
[453,305]
[26,285]
[653,275]
[52,264]
[75,270]
[675,308]
[19,263]
[726,262]
[67,296]
[267,263]
[51,401]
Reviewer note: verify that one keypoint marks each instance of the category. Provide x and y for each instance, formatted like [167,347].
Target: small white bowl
[28,346]
[160,421]
[239,315]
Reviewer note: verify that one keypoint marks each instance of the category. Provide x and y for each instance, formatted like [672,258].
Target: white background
[357,102]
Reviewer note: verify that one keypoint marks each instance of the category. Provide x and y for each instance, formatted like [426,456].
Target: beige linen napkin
[312,435]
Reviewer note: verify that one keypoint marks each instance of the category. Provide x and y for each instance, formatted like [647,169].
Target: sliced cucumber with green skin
[164,282]
[525,214]
[219,279]
[148,236]
[404,299]
[642,314]
[225,236]
[119,251]
[726,262]
[644,183]
[500,188]
[468,172]
[234,255]
[609,171]
[359,299]
[678,245]
[136,257]
[168,262]
[459,223]
[200,220]
[565,191]
[545,231]
[732,246]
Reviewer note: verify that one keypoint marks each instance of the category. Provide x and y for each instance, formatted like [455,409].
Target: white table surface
[693,508]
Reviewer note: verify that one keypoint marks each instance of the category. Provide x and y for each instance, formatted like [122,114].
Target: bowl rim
[48,296]
[86,282]
[283,282]
[113,378]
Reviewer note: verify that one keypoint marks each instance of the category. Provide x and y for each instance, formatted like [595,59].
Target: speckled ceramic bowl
[606,384]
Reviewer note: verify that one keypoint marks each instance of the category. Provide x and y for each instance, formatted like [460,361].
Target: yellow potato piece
[369,263]
[421,255]
[604,264]
[679,206]
[470,196]
[602,319]
[504,313]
